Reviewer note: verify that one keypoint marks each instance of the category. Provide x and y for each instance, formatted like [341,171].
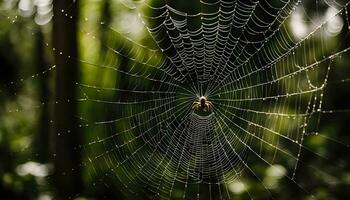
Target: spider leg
[195,106]
[209,105]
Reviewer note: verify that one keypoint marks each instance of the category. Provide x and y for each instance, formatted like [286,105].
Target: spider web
[242,57]
[265,86]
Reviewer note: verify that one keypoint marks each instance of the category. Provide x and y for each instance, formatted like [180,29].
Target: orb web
[265,85]
[266,88]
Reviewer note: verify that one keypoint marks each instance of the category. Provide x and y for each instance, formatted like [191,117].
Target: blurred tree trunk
[67,176]
[106,18]
[108,59]
[43,137]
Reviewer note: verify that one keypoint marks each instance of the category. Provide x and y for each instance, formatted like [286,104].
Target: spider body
[202,104]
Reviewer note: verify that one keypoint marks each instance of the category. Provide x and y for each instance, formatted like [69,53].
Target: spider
[202,104]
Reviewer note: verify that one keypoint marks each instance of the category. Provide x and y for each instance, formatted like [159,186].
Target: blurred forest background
[37,84]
